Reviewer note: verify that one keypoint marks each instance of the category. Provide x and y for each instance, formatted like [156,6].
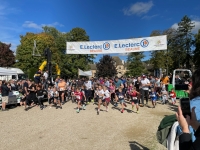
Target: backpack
[164,129]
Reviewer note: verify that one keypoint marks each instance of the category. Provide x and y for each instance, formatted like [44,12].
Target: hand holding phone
[185,106]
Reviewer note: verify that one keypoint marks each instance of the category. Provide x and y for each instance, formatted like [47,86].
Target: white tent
[6,72]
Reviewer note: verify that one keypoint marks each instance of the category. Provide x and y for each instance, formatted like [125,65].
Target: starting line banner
[118,46]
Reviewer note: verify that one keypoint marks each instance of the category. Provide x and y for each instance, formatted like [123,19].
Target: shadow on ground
[136,146]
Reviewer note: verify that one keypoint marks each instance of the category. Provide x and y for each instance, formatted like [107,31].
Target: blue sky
[102,19]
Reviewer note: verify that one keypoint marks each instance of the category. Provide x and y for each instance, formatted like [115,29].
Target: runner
[153,97]
[79,97]
[56,98]
[120,97]
[129,89]
[173,97]
[61,88]
[145,89]
[106,98]
[134,99]
[164,94]
[112,91]
[100,94]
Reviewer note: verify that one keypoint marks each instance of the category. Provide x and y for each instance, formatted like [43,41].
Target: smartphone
[181,87]
[185,106]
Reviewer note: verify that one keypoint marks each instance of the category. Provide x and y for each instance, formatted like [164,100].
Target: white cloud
[138,8]
[31,24]
[174,26]
[194,30]
[146,17]
[197,26]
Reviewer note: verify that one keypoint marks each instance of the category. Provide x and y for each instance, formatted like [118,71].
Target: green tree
[163,59]
[184,40]
[106,67]
[70,63]
[197,50]
[7,58]
[135,66]
[24,57]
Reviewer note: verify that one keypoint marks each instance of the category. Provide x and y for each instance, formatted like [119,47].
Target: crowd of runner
[118,92]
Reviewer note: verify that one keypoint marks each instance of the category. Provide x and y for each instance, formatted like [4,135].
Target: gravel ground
[56,129]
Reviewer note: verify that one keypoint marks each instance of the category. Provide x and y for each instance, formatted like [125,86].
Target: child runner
[134,99]
[56,98]
[153,97]
[129,89]
[120,97]
[50,96]
[173,96]
[100,94]
[96,98]
[79,97]
[72,94]
[112,91]
[106,97]
[164,94]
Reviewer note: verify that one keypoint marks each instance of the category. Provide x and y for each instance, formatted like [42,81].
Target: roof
[93,66]
[117,60]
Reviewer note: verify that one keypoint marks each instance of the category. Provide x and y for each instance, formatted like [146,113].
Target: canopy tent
[6,72]
[84,73]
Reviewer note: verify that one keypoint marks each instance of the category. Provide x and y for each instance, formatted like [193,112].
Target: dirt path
[64,129]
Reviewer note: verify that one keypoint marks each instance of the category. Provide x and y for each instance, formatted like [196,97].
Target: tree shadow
[136,146]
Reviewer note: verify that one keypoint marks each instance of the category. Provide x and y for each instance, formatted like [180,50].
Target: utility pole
[47,53]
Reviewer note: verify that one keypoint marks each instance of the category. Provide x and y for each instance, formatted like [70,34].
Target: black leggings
[40,101]
[88,95]
[146,94]
[31,97]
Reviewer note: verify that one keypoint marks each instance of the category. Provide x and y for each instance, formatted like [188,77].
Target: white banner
[84,73]
[118,46]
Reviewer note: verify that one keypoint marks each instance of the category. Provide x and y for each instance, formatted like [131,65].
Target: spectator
[5,88]
[37,76]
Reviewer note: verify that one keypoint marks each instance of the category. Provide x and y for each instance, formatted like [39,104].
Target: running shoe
[88,103]
[137,111]
[132,109]
[41,107]
[97,112]
[115,104]
[122,110]
[63,103]
[60,107]
[92,100]
[106,109]
[56,107]
[83,107]
[77,110]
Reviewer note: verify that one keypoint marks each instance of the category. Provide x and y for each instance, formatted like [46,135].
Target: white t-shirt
[100,92]
[88,85]
[106,94]
[143,82]
[45,75]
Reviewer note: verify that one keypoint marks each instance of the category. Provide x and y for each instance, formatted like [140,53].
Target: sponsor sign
[118,46]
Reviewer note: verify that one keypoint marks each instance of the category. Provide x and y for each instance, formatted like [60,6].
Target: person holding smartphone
[185,139]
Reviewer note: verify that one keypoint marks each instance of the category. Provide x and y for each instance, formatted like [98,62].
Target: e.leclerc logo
[106,46]
[144,43]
